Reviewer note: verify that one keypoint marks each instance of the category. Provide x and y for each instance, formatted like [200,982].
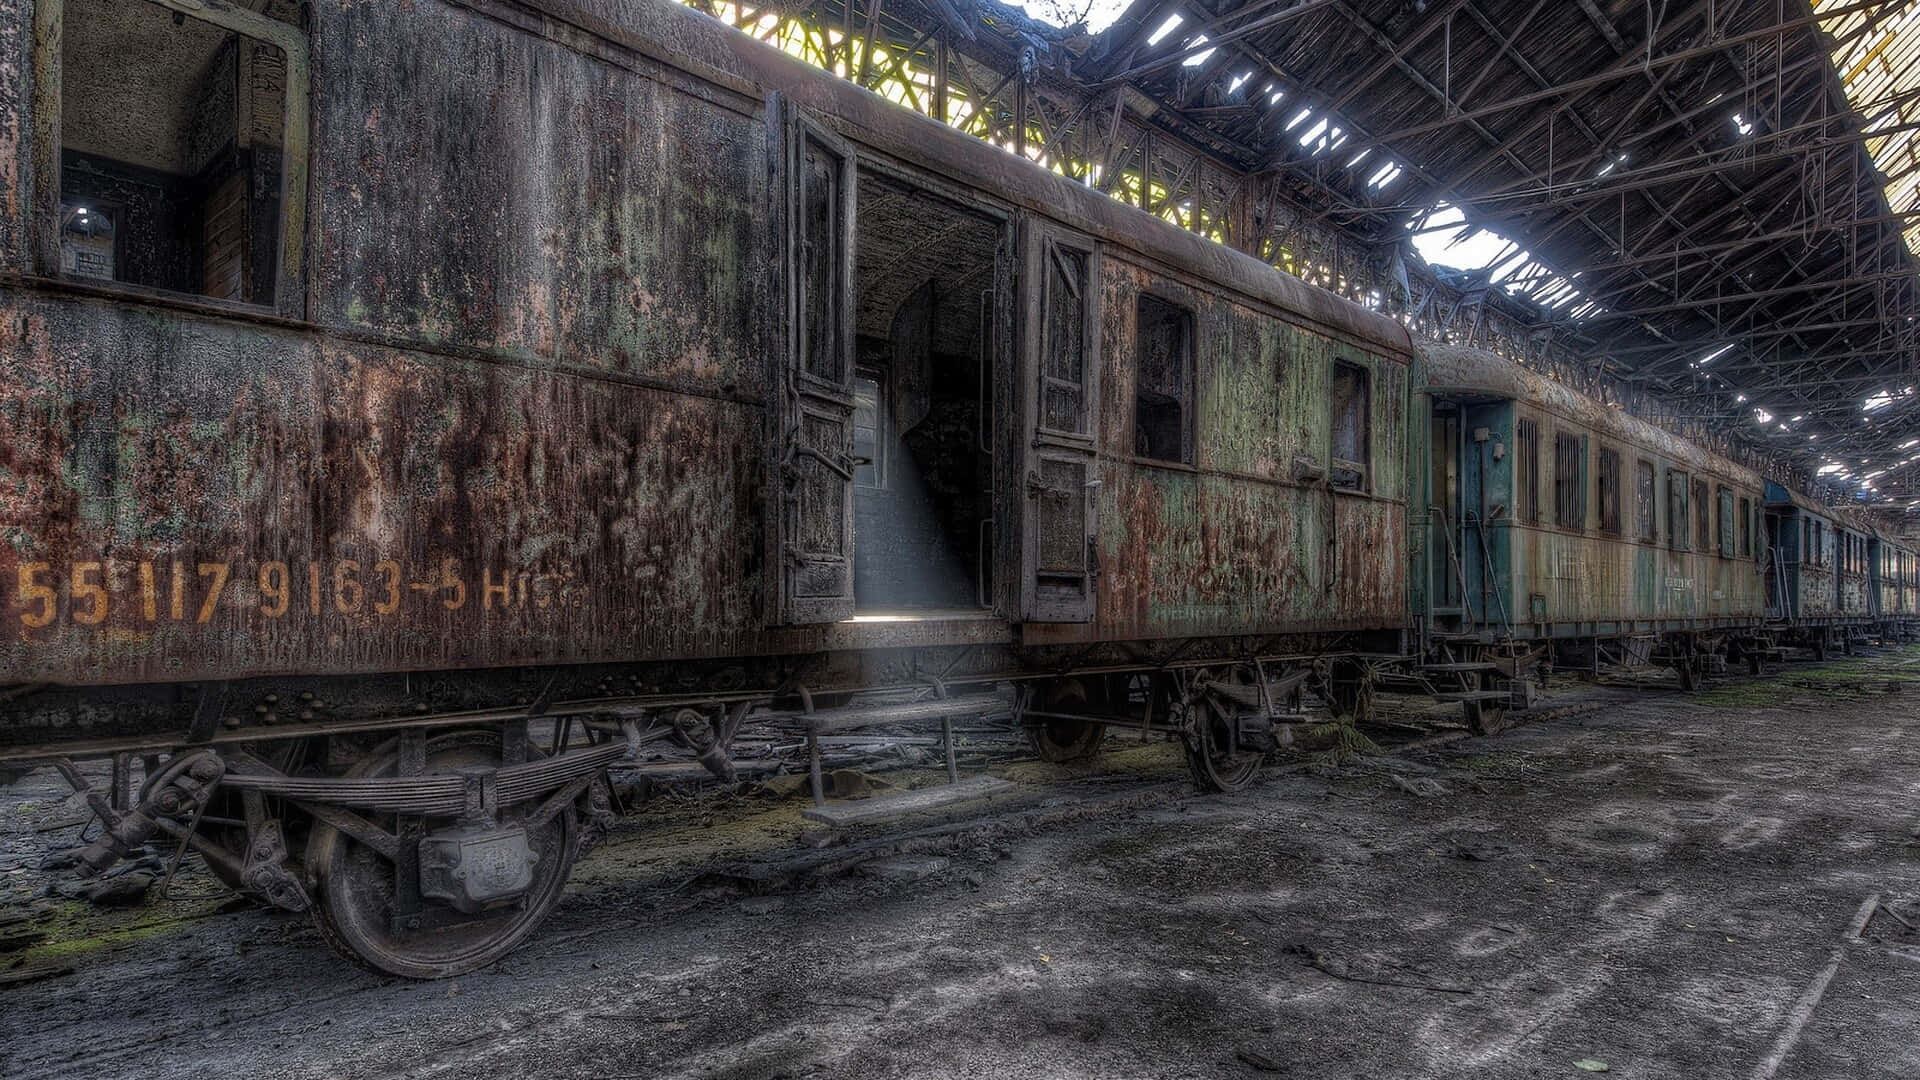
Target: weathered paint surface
[1578,581]
[1234,543]
[248,499]
[524,417]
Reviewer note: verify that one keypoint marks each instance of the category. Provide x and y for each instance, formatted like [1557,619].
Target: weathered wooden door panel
[813,427]
[1060,356]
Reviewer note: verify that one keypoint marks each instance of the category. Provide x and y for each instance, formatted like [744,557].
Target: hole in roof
[1200,57]
[1173,23]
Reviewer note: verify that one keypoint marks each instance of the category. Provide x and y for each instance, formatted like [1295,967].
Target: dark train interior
[924,292]
[171,139]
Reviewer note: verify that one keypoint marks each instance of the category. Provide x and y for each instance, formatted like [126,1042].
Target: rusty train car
[410,411]
[412,408]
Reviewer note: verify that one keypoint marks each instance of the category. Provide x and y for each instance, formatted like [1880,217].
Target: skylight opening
[1740,125]
[1762,416]
[1298,118]
[1384,175]
[1715,355]
[1239,81]
[1173,23]
[1359,157]
[1200,57]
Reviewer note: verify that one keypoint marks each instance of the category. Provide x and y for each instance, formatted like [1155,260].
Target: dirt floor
[1656,885]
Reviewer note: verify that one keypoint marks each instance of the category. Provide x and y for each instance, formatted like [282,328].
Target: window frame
[1701,503]
[1606,473]
[1526,468]
[1679,510]
[289,285]
[881,418]
[1335,464]
[1723,522]
[1744,508]
[1648,532]
[1570,485]
[1189,380]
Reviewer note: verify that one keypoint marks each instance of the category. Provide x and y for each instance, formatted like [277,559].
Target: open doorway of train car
[925,281]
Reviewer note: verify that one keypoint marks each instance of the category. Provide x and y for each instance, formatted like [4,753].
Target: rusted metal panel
[16,136]
[187,498]
[1237,542]
[496,190]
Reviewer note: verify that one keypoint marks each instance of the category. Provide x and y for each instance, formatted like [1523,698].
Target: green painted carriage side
[1541,578]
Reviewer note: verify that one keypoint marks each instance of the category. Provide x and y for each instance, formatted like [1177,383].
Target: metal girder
[1627,69]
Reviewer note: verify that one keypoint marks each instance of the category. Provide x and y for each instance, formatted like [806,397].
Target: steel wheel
[1058,739]
[354,886]
[1215,762]
[1061,741]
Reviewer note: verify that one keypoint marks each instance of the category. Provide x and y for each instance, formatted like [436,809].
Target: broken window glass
[1352,418]
[1163,382]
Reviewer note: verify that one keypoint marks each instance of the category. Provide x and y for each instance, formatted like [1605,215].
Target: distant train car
[1817,581]
[1554,520]
[1891,568]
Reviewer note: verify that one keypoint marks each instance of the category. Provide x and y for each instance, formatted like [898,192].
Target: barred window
[1702,523]
[1746,527]
[1526,469]
[1569,487]
[1677,510]
[1609,491]
[1645,503]
[1725,522]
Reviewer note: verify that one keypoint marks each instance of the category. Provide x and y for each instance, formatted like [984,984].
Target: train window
[1608,471]
[1352,437]
[1676,510]
[1702,523]
[1644,501]
[1724,521]
[174,153]
[1163,382]
[1746,528]
[1526,469]
[1066,303]
[1569,481]
[869,432]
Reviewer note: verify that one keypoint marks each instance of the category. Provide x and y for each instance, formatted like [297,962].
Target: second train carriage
[1556,522]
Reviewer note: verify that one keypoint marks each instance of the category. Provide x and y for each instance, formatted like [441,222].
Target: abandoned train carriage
[1820,590]
[383,378]
[1556,520]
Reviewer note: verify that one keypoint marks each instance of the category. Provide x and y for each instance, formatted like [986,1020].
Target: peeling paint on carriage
[1562,564]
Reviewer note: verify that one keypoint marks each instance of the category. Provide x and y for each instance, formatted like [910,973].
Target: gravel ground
[1658,884]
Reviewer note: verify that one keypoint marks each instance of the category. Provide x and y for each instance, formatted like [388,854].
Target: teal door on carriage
[1470,513]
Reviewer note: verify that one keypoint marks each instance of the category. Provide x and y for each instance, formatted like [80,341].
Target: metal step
[980,788]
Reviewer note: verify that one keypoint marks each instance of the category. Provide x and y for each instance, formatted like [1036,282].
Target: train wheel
[1213,759]
[1485,717]
[1689,675]
[355,886]
[1059,739]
